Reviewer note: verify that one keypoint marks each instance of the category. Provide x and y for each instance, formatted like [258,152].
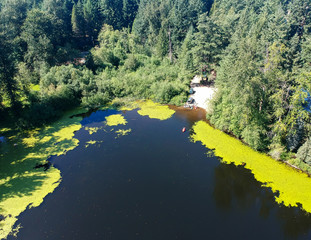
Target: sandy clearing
[202,94]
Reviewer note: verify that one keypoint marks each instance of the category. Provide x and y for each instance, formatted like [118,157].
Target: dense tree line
[261,51]
[264,74]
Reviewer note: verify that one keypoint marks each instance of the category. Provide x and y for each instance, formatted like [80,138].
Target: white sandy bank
[202,94]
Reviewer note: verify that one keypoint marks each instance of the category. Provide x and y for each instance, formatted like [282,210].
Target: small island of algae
[155,110]
[92,130]
[116,119]
[294,187]
[123,132]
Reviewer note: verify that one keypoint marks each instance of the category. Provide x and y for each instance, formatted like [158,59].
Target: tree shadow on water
[236,186]
[24,168]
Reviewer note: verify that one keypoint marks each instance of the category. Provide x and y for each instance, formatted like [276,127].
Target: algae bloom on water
[116,119]
[92,130]
[123,132]
[155,110]
[22,184]
[293,187]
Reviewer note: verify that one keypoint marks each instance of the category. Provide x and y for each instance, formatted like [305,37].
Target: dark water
[156,184]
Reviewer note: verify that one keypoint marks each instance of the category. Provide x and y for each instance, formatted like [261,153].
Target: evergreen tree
[12,16]
[91,19]
[60,12]
[74,21]
[304,152]
[111,11]
[210,41]
[77,20]
[7,69]
[41,37]
[186,57]
[129,10]
[306,52]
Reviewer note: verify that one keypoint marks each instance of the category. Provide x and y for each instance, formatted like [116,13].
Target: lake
[136,177]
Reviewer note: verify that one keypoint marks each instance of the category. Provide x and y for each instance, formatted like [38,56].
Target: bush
[179,100]
[276,151]
[95,101]
[300,164]
[132,63]
[48,108]
[165,91]
[304,152]
[251,134]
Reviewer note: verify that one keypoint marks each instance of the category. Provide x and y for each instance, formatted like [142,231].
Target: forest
[60,54]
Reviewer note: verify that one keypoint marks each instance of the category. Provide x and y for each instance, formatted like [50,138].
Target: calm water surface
[154,183]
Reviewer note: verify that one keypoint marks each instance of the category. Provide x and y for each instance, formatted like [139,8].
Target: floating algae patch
[12,204]
[293,186]
[92,130]
[123,132]
[129,106]
[23,180]
[91,142]
[150,109]
[31,140]
[155,110]
[116,119]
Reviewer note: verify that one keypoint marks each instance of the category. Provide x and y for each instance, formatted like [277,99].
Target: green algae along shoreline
[22,184]
[291,187]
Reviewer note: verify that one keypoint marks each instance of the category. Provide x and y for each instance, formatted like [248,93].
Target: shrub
[179,100]
[304,152]
[132,63]
[96,100]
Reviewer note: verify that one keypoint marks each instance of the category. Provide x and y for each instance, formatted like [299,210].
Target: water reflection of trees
[236,186]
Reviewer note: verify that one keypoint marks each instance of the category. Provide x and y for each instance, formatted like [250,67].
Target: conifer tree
[186,54]
[304,152]
[74,21]
[91,19]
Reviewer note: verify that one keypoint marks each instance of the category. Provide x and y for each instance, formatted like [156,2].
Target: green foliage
[301,165]
[48,108]
[186,55]
[132,63]
[156,18]
[96,100]
[12,16]
[8,86]
[304,152]
[114,46]
[41,37]
[261,73]
[210,41]
[165,92]
[74,20]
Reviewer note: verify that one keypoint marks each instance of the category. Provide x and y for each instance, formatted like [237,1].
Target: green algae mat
[292,186]
[22,185]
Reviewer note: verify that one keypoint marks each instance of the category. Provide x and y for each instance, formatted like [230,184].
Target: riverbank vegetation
[56,55]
